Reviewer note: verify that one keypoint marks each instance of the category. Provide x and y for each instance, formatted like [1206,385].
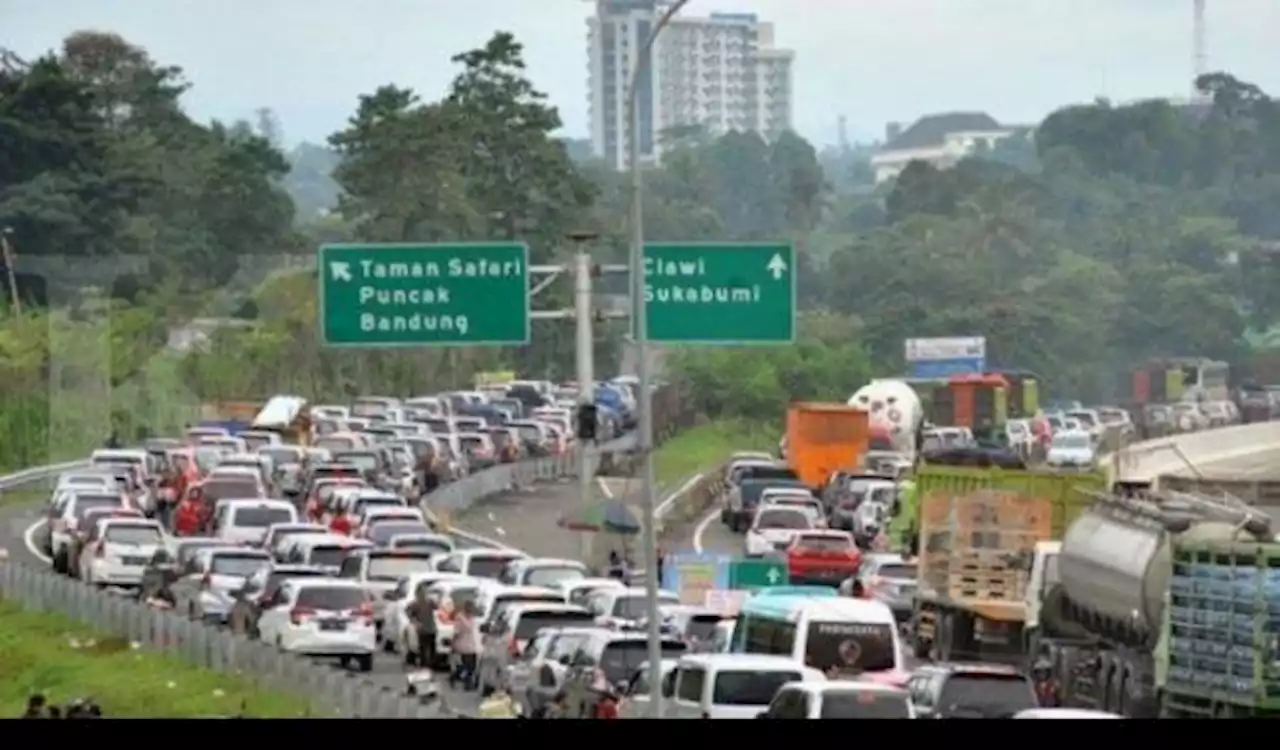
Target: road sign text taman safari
[424,295]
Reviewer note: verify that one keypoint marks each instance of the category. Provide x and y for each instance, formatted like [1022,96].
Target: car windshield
[851,646]
[395,567]
[458,596]
[551,575]
[426,544]
[260,518]
[825,543]
[1072,441]
[621,659]
[238,564]
[281,456]
[224,489]
[864,704]
[363,461]
[633,607]
[702,627]
[474,444]
[529,432]
[486,567]
[332,598]
[381,532]
[85,504]
[330,555]
[897,571]
[782,519]
[741,687]
[122,533]
[531,622]
[989,695]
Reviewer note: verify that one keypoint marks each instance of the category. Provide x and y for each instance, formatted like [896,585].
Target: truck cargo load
[823,439]
[977,533]
[1100,615]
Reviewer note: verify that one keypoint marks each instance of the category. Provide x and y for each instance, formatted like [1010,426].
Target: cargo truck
[1161,604]
[978,530]
[822,439]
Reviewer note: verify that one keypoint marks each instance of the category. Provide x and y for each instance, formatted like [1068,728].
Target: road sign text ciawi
[693,269]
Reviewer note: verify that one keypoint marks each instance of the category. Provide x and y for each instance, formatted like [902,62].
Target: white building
[721,72]
[940,140]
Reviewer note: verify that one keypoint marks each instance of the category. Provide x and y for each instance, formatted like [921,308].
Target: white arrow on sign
[340,271]
[773,575]
[777,266]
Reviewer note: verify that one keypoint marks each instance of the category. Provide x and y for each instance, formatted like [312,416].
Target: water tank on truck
[1116,560]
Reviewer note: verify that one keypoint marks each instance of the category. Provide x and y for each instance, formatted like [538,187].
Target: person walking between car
[340,523]
[466,644]
[35,707]
[617,569]
[422,613]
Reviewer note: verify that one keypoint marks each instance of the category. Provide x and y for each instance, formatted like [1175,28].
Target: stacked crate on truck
[1222,630]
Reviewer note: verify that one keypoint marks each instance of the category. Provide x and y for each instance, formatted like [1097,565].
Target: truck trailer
[1160,604]
[978,531]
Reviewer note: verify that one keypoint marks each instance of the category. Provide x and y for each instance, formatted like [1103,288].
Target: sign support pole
[585,360]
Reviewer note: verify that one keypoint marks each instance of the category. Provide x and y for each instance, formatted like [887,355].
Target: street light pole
[644,397]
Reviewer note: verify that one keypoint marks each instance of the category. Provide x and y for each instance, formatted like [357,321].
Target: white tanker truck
[1099,627]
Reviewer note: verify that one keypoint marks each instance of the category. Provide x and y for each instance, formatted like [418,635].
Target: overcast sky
[870,60]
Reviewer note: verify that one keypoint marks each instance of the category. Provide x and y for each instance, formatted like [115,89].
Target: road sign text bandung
[424,295]
[720,293]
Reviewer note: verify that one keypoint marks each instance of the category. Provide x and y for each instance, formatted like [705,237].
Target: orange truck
[825,438]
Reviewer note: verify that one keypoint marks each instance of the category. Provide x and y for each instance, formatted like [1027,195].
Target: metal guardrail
[1261,493]
[342,693]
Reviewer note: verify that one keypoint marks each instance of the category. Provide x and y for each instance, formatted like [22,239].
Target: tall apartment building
[719,71]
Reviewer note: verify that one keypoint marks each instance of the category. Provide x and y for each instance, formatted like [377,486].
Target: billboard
[943,357]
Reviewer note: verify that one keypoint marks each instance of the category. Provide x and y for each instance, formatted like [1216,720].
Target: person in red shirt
[186,522]
[341,524]
[607,706]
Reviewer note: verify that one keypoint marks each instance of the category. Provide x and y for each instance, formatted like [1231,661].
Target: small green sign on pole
[720,293]
[398,295]
[749,573]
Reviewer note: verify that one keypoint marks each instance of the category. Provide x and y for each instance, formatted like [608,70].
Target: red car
[822,557]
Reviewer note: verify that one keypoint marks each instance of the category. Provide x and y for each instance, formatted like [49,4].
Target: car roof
[306,583]
[521,607]
[533,562]
[861,686]
[236,549]
[743,661]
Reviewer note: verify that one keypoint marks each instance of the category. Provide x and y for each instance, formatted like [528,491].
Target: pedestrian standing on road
[340,523]
[466,644]
[422,613]
[35,707]
[662,561]
[617,569]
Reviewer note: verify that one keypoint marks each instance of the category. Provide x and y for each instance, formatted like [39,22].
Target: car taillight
[364,610]
[206,581]
[298,614]
[513,647]
[100,549]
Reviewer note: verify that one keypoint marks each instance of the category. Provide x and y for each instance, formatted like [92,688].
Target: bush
[756,383]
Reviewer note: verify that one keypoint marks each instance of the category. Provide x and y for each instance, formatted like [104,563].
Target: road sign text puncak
[424,295]
[720,293]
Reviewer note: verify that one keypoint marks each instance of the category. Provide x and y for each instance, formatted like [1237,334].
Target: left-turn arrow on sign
[340,271]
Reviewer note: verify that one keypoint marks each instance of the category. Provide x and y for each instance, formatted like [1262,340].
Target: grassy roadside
[63,660]
[705,446]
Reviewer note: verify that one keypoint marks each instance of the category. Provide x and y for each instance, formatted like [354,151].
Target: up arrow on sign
[777,266]
[340,271]
[773,576]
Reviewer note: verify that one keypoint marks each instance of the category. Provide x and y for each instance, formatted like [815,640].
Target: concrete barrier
[1188,453]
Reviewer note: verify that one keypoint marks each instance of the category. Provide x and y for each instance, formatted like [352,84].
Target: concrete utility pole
[585,360]
[645,397]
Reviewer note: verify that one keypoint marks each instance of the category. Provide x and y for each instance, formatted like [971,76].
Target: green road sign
[424,295]
[757,574]
[727,293]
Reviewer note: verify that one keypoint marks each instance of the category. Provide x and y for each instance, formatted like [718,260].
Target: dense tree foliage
[1116,234]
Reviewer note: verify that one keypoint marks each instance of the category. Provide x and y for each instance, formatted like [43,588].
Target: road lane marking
[702,529]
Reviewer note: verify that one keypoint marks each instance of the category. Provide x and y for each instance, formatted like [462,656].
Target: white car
[480,562]
[542,571]
[118,550]
[1064,713]
[249,521]
[624,607]
[278,535]
[209,592]
[1071,448]
[578,591]
[773,529]
[839,699]
[790,497]
[321,617]
[395,621]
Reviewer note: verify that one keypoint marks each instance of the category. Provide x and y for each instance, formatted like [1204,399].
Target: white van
[855,636]
[730,686]
[247,521]
[325,551]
